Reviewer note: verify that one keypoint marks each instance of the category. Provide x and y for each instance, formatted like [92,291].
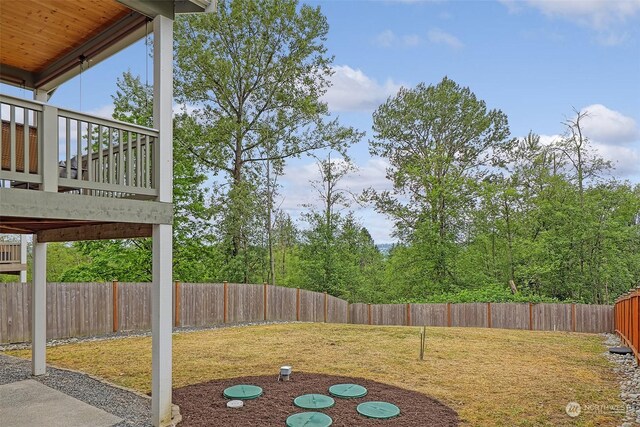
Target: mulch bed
[204,405]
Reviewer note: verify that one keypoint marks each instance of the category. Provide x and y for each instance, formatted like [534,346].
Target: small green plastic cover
[309,419]
[314,401]
[347,391]
[243,392]
[380,410]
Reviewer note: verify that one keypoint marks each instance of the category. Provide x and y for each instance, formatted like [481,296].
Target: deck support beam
[38,309]
[39,283]
[162,300]
[23,257]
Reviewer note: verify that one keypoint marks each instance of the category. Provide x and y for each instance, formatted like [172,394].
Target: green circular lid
[347,391]
[309,419]
[243,392]
[314,401]
[380,410]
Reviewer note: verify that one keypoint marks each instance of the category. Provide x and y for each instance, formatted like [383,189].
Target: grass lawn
[491,377]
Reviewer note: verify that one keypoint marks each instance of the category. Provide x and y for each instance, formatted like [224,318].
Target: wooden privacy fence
[627,320]
[537,317]
[84,309]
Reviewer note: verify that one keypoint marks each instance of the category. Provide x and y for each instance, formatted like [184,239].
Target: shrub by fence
[627,320]
[84,309]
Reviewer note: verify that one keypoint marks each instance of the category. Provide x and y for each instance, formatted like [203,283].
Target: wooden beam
[95,232]
[12,268]
[50,205]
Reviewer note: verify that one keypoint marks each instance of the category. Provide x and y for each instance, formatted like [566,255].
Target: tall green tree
[440,141]
[254,72]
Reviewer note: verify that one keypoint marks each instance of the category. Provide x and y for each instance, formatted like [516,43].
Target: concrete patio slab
[29,403]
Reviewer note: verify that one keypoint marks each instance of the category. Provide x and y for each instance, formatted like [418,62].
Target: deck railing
[53,149]
[627,320]
[9,253]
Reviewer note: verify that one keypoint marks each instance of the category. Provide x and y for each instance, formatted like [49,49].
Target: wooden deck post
[114,305]
[23,255]
[298,304]
[326,306]
[225,301]
[178,303]
[264,293]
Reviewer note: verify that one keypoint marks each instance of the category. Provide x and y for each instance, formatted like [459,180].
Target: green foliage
[488,293]
[480,217]
[123,260]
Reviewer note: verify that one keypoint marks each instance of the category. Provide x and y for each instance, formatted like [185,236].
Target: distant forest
[479,215]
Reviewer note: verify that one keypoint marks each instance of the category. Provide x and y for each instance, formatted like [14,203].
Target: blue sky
[535,60]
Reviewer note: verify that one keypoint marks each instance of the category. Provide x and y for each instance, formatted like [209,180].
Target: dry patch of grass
[490,377]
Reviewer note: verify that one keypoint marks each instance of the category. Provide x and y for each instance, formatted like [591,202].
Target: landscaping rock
[628,373]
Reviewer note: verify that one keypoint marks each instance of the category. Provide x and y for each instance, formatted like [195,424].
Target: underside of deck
[56,217]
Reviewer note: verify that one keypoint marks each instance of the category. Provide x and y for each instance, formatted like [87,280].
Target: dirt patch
[204,405]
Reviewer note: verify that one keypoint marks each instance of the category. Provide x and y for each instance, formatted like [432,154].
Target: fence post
[448,314]
[225,301]
[573,317]
[326,306]
[264,293]
[298,304]
[369,312]
[531,316]
[348,313]
[489,315]
[114,291]
[177,304]
[408,314]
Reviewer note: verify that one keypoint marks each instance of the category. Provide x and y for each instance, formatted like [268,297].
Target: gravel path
[135,410]
[117,335]
[629,377]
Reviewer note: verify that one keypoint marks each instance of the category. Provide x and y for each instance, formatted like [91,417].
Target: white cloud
[411,40]
[547,140]
[353,90]
[608,126]
[437,36]
[611,38]
[614,136]
[598,14]
[388,38]
[625,159]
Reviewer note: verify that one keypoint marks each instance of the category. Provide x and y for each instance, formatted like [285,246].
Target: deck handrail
[38,106]
[9,253]
[76,152]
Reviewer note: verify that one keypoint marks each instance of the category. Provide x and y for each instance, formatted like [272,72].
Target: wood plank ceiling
[36,32]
